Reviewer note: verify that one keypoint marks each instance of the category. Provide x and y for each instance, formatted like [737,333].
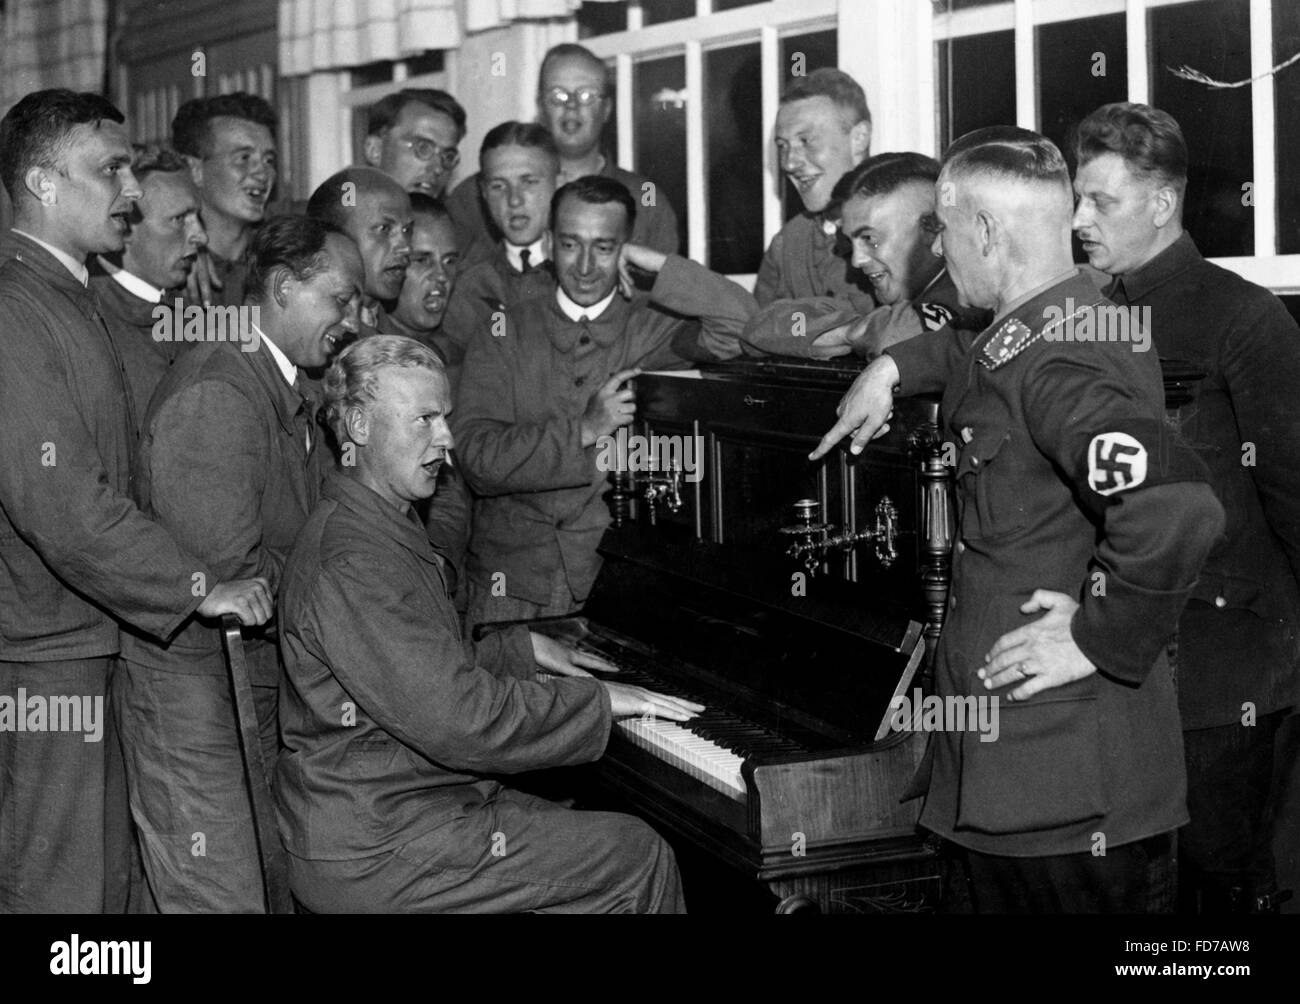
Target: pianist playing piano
[392,724]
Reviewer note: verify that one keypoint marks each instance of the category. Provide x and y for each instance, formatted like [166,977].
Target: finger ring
[1023,671]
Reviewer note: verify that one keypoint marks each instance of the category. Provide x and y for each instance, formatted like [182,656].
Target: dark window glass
[601,19]
[1286,83]
[372,73]
[977,83]
[428,62]
[659,11]
[1082,65]
[733,130]
[1214,38]
[733,4]
[659,129]
[801,54]
[947,6]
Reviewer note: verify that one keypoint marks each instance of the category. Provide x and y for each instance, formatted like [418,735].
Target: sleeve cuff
[1123,632]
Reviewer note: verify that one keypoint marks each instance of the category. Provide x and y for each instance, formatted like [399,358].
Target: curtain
[52,43]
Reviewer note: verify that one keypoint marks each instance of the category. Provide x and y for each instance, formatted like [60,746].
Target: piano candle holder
[816,539]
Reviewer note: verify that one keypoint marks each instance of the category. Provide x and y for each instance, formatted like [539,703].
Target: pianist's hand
[1040,655]
[626,701]
[864,410]
[563,659]
[248,599]
[202,280]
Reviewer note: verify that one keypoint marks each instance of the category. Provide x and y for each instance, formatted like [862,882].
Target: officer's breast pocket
[991,486]
[1041,770]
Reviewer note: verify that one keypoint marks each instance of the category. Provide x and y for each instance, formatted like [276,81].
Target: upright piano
[793,779]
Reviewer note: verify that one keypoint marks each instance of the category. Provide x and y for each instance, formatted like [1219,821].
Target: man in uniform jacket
[574,101]
[887,212]
[520,167]
[536,399]
[76,555]
[1238,650]
[396,732]
[165,238]
[1082,525]
[230,464]
[805,283]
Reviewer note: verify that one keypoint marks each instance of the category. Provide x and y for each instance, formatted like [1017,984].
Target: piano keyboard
[710,747]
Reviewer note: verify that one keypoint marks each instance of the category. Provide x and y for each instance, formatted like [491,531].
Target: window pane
[1286,43]
[601,19]
[732,4]
[1081,66]
[659,11]
[947,6]
[1214,38]
[733,130]
[372,73]
[659,130]
[801,54]
[977,83]
[431,61]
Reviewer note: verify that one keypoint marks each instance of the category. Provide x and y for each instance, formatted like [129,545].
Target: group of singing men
[1124,577]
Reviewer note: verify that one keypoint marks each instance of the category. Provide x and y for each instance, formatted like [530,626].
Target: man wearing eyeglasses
[574,101]
[229,142]
[413,137]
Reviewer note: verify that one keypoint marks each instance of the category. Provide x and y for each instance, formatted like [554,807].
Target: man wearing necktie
[231,463]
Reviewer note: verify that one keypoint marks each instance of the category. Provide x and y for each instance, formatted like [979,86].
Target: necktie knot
[524,256]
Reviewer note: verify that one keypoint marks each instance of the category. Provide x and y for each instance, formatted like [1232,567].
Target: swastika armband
[1116,461]
[934,316]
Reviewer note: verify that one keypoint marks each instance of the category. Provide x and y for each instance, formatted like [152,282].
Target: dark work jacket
[131,323]
[1053,436]
[75,552]
[518,419]
[804,284]
[1239,638]
[224,466]
[390,721]
[484,289]
[655,225]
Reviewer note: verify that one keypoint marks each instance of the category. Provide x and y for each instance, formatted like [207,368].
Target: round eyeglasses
[584,96]
[427,149]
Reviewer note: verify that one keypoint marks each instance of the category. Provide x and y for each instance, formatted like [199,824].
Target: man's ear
[372,149]
[196,170]
[281,277]
[860,141]
[356,422]
[38,182]
[1166,198]
[988,231]
[606,109]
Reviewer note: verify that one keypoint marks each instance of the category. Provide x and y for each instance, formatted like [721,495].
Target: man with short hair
[520,167]
[823,129]
[539,391]
[1238,652]
[229,141]
[413,135]
[396,732]
[1076,506]
[230,465]
[76,556]
[165,238]
[430,275]
[574,101]
[375,211]
[887,212]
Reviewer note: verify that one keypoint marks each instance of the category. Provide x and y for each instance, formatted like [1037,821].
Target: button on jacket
[1067,480]
[1239,638]
[75,552]
[224,466]
[390,722]
[518,419]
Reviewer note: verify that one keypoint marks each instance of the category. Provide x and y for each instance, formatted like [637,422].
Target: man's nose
[1082,216]
[862,257]
[516,198]
[198,236]
[351,319]
[130,186]
[586,261]
[442,434]
[936,245]
[792,159]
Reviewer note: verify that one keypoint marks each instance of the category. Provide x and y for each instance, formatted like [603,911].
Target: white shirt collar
[538,252]
[576,313]
[77,268]
[131,282]
[287,369]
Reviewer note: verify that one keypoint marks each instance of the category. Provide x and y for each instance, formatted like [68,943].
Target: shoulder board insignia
[934,316]
[1007,342]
